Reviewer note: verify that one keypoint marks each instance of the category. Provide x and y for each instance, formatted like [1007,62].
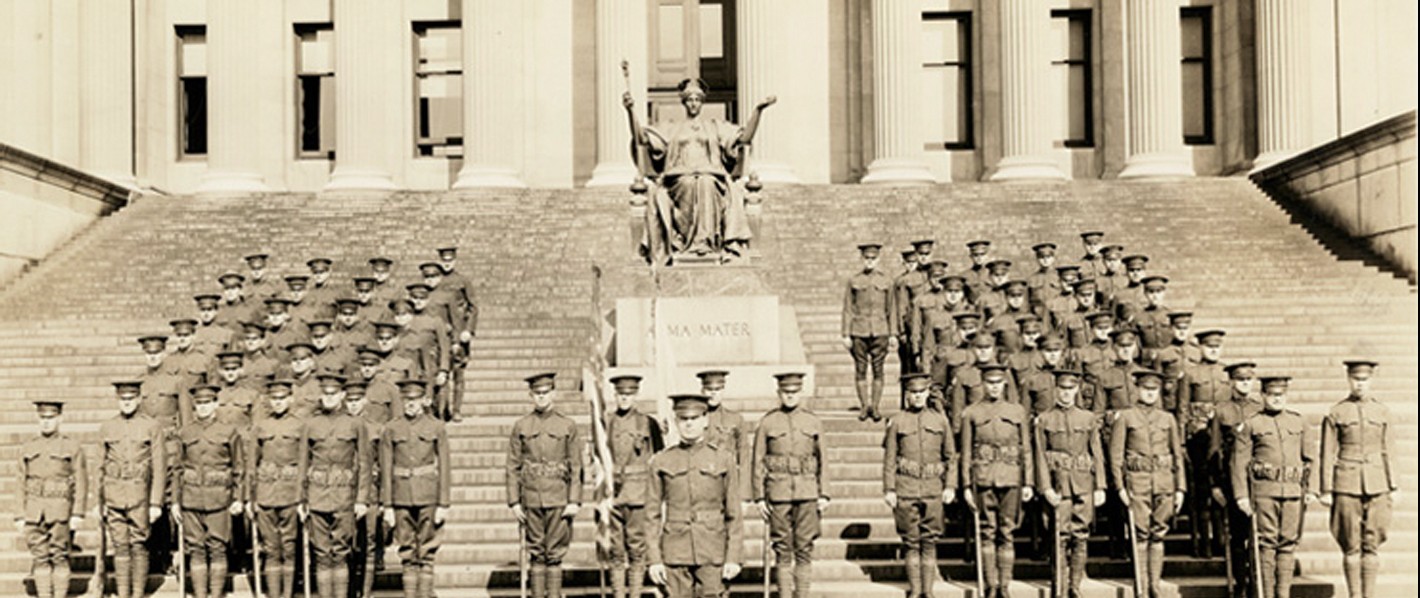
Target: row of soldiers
[1101,330]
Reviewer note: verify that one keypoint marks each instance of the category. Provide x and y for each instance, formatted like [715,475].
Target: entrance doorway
[690,39]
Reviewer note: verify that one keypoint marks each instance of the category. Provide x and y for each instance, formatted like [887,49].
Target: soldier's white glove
[154,513]
[302,511]
[389,519]
[570,511]
[848,343]
[970,498]
[1325,499]
[658,574]
[176,511]
[1124,496]
[892,343]
[1027,493]
[1245,505]
[763,509]
[1099,498]
[1177,502]
[75,521]
[732,570]
[465,336]
[519,515]
[1052,497]
[822,503]
[441,514]
[441,379]
[235,508]
[891,499]
[1219,497]
[20,523]
[360,510]
[949,495]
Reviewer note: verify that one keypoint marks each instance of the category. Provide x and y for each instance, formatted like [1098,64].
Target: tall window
[192,90]
[438,82]
[1072,75]
[315,90]
[946,60]
[1197,29]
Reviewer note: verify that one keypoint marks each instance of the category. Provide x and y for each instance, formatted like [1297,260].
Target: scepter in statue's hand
[638,137]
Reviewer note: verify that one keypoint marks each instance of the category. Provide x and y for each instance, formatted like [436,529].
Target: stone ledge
[65,177]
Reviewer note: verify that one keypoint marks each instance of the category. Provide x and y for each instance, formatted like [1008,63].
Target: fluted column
[1025,67]
[364,32]
[106,92]
[492,94]
[233,99]
[766,67]
[621,35]
[1153,51]
[1283,98]
[897,69]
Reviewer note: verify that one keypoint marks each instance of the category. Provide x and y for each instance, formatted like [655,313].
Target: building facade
[344,95]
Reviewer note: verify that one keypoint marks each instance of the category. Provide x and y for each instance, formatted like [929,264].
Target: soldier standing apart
[464,314]
[997,469]
[870,328]
[132,472]
[337,480]
[1070,463]
[919,478]
[1274,461]
[209,492]
[1228,414]
[1357,479]
[417,492]
[790,484]
[544,476]
[634,438]
[275,490]
[369,542]
[1146,462]
[696,536]
[53,487]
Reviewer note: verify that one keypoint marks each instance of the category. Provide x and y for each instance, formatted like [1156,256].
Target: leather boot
[217,577]
[1370,565]
[554,581]
[122,576]
[325,581]
[1351,565]
[271,574]
[1141,567]
[1286,570]
[44,580]
[340,582]
[929,569]
[1006,561]
[139,568]
[197,572]
[537,579]
[803,579]
[635,579]
[1268,558]
[61,579]
[618,581]
[410,582]
[426,581]
[988,567]
[875,400]
[1078,556]
[862,386]
[1156,569]
[914,574]
[784,576]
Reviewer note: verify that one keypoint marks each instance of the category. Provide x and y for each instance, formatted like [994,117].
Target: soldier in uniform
[1228,414]
[969,381]
[1068,275]
[383,292]
[132,474]
[790,484]
[416,491]
[1358,481]
[634,437]
[1070,465]
[235,306]
[321,294]
[190,364]
[426,338]
[906,288]
[997,472]
[1180,346]
[351,329]
[209,491]
[397,361]
[434,314]
[1069,317]
[1155,327]
[1092,263]
[304,308]
[1099,351]
[544,476]
[870,328]
[369,542]
[979,254]
[1044,283]
[919,479]
[1204,386]
[726,427]
[1114,378]
[275,469]
[1038,389]
[210,337]
[1112,280]
[1003,313]
[259,360]
[238,400]
[695,538]
[259,285]
[337,480]
[380,395]
[161,387]
[52,484]
[305,381]
[280,332]
[1146,464]
[464,314]
[1274,461]
[1132,294]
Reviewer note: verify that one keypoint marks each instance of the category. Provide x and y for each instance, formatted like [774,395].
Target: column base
[1027,168]
[612,174]
[484,177]
[774,172]
[1157,166]
[1267,159]
[220,183]
[343,179]
[898,171]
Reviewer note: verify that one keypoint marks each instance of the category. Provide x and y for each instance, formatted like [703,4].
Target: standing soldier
[209,492]
[1146,463]
[260,360]
[1044,283]
[1155,327]
[1204,387]
[161,386]
[416,492]
[383,292]
[634,437]
[211,337]
[239,402]
[1179,346]
[132,473]
[997,469]
[465,325]
[380,397]
[977,285]
[1357,479]
[1070,463]
[274,467]
[322,294]
[337,488]
[259,285]
[696,536]
[906,287]
[870,328]
[1092,264]
[369,542]
[919,479]
[1274,461]
[544,476]
[790,484]
[53,488]
[1222,428]
[236,307]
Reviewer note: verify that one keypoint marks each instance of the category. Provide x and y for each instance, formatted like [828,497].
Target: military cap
[790,381]
[1360,366]
[419,290]
[1067,268]
[1173,366]
[368,355]
[1270,381]
[387,325]
[431,269]
[280,303]
[1091,236]
[204,393]
[127,389]
[253,327]
[937,268]
[400,306]
[690,405]
[380,262]
[300,350]
[230,279]
[1241,369]
[712,378]
[909,253]
[1013,287]
[355,390]
[411,387]
[153,343]
[1148,378]
[966,317]
[231,357]
[296,280]
[1111,250]
[1155,282]
[1125,337]
[1211,335]
[920,243]
[544,381]
[207,300]
[953,282]
[992,372]
[1095,316]
[319,327]
[983,341]
[1085,282]
[1051,342]
[259,256]
[1043,249]
[181,325]
[49,407]
[1027,318]
[364,283]
[449,249]
[998,266]
[329,380]
[279,387]
[318,263]
[1177,317]
[626,384]
[978,246]
[1064,375]
[347,305]
[916,382]
[1131,261]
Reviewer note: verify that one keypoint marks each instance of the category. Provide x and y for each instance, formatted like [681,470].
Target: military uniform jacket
[936,331]
[1094,355]
[210,463]
[399,365]
[132,465]
[1115,382]
[286,335]
[1204,387]
[789,461]
[336,474]
[1356,447]
[906,287]
[1069,459]
[414,462]
[380,391]
[465,312]
[277,461]
[349,339]
[1277,453]
[1145,452]
[232,315]
[1044,286]
[211,339]
[634,437]
[1154,328]
[238,403]
[260,365]
[431,335]
[967,388]
[868,306]
[305,394]
[53,481]
[726,431]
[544,466]
[995,446]
[1221,435]
[699,486]
[919,455]
[1186,353]
[158,383]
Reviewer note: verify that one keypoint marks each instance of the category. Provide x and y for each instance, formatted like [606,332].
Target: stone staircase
[67,330]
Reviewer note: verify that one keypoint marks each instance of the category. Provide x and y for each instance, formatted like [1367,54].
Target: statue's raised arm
[747,135]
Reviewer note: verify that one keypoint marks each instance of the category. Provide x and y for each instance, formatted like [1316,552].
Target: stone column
[621,35]
[897,66]
[106,94]
[233,100]
[365,30]
[1026,127]
[766,67]
[1283,98]
[492,94]
[1154,90]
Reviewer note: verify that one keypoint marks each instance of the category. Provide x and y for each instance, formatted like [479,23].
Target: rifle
[764,557]
[1228,549]
[976,529]
[1057,583]
[255,556]
[306,555]
[182,552]
[1134,549]
[1252,541]
[98,585]
[522,561]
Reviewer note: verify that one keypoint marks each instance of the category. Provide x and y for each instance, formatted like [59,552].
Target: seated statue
[695,205]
